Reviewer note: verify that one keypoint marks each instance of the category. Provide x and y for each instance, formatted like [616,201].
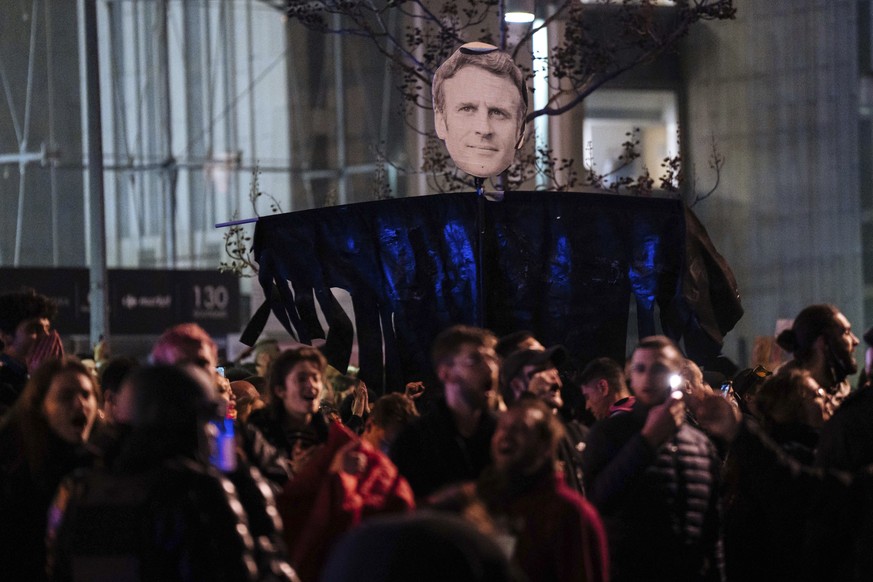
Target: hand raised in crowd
[414,390]
[663,421]
[719,417]
[361,404]
[47,347]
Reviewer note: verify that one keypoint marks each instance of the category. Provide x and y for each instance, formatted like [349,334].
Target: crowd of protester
[515,466]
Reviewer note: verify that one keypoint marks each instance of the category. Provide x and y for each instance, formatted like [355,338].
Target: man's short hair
[115,371]
[510,342]
[661,342]
[184,337]
[605,368]
[517,361]
[450,340]
[497,62]
[21,305]
[177,402]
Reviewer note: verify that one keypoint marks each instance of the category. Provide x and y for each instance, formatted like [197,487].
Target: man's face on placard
[480,121]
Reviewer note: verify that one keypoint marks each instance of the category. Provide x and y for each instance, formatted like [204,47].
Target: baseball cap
[517,361]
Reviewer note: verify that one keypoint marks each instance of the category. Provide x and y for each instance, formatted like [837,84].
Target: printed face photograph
[480,122]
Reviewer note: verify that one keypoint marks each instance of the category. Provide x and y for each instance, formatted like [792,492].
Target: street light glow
[519,17]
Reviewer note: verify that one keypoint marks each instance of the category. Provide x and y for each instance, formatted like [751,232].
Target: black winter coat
[659,506]
[836,508]
[26,492]
[179,521]
[431,453]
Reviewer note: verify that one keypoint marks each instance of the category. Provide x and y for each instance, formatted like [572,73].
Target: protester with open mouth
[548,530]
[291,421]
[337,479]
[42,438]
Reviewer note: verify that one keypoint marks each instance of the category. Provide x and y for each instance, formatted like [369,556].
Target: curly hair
[393,411]
[284,364]
[25,304]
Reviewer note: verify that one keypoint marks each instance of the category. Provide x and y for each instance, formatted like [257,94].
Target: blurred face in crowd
[247,398]
[200,353]
[262,363]
[70,406]
[597,401]
[843,343]
[469,376]
[649,373]
[223,389]
[264,356]
[26,334]
[301,392]
[695,387]
[480,121]
[517,446]
[122,409]
[545,384]
[203,356]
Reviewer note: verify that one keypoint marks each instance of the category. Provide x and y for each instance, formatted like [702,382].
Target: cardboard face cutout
[480,102]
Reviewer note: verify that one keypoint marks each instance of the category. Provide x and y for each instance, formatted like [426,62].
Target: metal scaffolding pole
[97,234]
[340,100]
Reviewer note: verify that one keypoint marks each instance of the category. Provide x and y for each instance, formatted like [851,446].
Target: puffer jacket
[179,521]
[659,506]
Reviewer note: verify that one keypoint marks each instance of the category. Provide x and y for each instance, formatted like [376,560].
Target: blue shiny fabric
[563,265]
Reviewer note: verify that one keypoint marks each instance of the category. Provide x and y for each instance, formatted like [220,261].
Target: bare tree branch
[716,163]
[601,42]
